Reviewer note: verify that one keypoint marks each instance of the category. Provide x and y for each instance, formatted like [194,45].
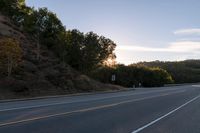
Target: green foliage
[15,9]
[182,72]
[133,75]
[45,24]
[103,74]
[10,55]
[75,40]
[83,52]
[87,51]
[156,77]
[9,7]
[49,27]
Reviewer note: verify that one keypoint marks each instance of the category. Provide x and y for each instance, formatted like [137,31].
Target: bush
[10,55]
[133,75]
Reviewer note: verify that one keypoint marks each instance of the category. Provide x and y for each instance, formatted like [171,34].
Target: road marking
[196,85]
[162,117]
[62,103]
[83,110]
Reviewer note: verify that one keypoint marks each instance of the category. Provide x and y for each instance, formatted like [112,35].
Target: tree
[10,54]
[107,55]
[75,45]
[88,51]
[15,9]
[9,7]
[61,47]
[46,28]
[49,27]
[91,52]
[133,75]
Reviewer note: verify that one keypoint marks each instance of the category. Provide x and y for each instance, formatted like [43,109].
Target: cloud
[193,31]
[139,48]
[175,47]
[185,46]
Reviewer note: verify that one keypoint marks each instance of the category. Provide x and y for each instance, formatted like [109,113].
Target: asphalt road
[150,110]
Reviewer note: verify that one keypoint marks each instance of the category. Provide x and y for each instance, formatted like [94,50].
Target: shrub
[10,55]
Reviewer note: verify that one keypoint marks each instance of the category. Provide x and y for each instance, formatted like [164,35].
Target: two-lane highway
[151,110]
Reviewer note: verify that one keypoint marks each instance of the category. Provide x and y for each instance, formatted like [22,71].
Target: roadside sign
[113,78]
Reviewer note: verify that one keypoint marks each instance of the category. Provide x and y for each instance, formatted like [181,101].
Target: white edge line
[195,85]
[160,118]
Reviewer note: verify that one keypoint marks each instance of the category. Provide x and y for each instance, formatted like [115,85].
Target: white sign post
[113,78]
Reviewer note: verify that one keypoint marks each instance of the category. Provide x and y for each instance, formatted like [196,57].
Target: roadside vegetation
[89,53]
[187,71]
[83,51]
[10,55]
[133,76]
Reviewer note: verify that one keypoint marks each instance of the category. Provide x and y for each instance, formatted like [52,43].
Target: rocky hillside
[45,77]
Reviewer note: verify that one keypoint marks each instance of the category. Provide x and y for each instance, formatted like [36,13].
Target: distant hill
[187,71]
[45,77]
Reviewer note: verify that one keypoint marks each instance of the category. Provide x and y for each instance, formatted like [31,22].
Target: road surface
[151,110]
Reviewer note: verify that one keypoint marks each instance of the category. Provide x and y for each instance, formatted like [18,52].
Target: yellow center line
[85,110]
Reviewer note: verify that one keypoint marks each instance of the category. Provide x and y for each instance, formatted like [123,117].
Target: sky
[144,30]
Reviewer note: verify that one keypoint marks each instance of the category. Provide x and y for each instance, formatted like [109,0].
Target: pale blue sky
[144,30]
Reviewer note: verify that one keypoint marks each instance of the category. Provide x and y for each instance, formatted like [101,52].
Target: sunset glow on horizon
[143,30]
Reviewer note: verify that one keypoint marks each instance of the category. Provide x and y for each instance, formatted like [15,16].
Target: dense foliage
[11,7]
[133,75]
[86,52]
[182,72]
[10,54]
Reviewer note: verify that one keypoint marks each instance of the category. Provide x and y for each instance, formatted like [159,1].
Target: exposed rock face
[44,77]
